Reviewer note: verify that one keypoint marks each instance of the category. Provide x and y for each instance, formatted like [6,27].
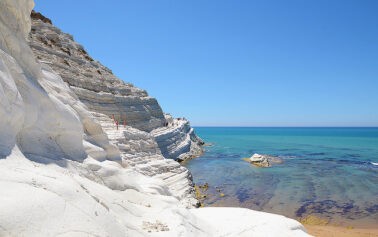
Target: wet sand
[337,231]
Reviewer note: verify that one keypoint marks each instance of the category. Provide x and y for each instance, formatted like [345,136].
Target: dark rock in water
[317,154]
[243,195]
[328,208]
[372,209]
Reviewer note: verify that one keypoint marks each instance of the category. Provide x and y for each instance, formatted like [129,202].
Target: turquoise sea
[331,173]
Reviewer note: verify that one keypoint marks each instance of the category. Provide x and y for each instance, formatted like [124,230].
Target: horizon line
[235,126]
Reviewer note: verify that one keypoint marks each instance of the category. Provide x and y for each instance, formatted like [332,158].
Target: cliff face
[105,94]
[66,170]
[141,136]
[94,84]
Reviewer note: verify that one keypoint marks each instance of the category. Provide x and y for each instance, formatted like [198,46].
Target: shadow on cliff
[57,158]
[62,162]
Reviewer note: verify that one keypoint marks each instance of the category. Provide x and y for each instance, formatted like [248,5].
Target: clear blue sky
[238,62]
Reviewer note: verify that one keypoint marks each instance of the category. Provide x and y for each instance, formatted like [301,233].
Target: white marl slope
[62,165]
[108,97]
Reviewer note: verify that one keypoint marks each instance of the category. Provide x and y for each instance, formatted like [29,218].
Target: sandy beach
[336,231]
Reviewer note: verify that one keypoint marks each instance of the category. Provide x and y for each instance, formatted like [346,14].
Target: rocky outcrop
[37,15]
[263,160]
[140,152]
[177,139]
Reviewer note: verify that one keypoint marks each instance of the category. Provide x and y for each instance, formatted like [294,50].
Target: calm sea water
[327,172]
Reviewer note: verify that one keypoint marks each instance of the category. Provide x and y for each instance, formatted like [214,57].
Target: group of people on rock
[116,122]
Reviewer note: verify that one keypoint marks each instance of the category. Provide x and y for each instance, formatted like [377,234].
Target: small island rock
[263,160]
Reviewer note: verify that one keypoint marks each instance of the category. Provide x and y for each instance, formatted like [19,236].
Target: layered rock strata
[132,120]
[93,83]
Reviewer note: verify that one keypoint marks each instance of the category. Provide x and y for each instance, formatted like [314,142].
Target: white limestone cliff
[67,171]
[105,94]
[109,100]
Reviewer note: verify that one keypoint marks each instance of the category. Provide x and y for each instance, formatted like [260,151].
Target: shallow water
[327,172]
